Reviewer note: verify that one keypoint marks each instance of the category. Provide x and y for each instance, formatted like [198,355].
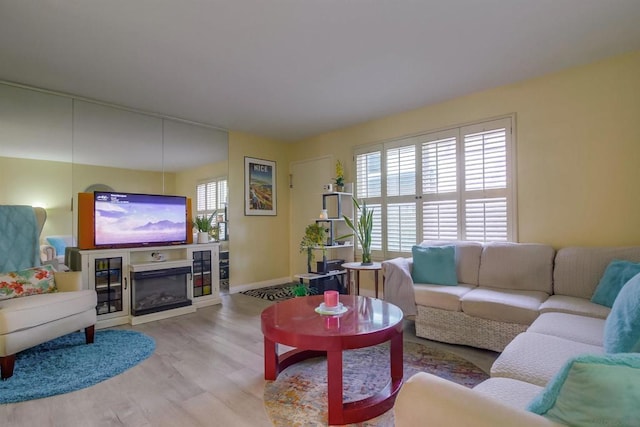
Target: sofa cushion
[622,327]
[467,258]
[593,391]
[503,305]
[517,394]
[517,266]
[574,305]
[434,265]
[535,358]
[443,297]
[23,313]
[618,273]
[588,330]
[32,281]
[579,269]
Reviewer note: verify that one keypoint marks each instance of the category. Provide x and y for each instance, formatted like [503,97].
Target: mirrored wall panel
[53,146]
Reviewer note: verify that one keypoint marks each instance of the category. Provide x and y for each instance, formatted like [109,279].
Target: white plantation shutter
[439,186]
[369,172]
[454,184]
[376,235]
[486,219]
[486,181]
[211,196]
[440,220]
[401,171]
[401,226]
[223,194]
[201,194]
[439,166]
[369,190]
[485,163]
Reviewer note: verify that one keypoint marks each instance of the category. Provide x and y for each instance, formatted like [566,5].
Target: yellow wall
[578,149]
[41,183]
[258,245]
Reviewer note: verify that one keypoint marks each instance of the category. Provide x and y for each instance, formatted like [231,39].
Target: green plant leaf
[363,227]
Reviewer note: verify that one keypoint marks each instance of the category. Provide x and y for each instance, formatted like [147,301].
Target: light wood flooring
[207,370]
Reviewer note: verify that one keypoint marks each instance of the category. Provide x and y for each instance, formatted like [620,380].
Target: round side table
[357,267]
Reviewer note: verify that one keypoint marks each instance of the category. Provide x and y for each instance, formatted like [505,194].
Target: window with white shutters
[454,184]
[212,197]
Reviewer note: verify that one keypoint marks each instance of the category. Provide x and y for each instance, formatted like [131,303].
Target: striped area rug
[277,293]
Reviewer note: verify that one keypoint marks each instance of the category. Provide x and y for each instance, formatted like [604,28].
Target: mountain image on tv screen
[138,219]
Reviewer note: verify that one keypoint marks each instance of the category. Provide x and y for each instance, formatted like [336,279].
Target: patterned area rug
[298,397]
[277,293]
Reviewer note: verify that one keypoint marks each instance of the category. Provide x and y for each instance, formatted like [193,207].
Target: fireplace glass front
[158,290]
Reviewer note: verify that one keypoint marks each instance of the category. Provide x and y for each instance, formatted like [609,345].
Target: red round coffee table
[366,322]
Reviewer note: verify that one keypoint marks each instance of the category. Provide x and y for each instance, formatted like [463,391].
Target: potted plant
[300,290]
[314,237]
[204,225]
[362,230]
[339,176]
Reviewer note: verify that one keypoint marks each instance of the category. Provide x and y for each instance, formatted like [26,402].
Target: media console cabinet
[138,285]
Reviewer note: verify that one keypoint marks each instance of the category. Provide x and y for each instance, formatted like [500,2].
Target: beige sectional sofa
[544,319]
[518,376]
[503,288]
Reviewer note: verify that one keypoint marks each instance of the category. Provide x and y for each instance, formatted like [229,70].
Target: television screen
[124,219]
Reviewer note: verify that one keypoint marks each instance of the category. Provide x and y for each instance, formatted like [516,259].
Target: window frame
[221,205]
[461,195]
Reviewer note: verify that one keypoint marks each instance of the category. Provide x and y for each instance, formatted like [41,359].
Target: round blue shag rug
[67,363]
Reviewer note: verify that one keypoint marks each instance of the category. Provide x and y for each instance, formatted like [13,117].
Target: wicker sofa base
[456,327]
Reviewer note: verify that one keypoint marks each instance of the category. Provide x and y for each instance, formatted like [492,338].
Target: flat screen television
[130,220]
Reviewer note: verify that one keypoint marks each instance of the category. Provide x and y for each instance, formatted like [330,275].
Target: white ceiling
[289,69]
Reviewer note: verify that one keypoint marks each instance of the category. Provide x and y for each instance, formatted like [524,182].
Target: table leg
[396,357]
[357,282]
[348,281]
[375,280]
[382,285]
[270,359]
[334,385]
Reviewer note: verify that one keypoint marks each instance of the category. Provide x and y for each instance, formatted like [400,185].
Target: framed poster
[259,187]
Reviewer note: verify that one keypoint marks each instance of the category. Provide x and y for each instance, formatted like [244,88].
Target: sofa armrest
[398,284]
[428,400]
[68,281]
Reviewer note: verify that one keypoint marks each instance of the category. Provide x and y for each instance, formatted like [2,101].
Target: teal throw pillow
[618,273]
[58,244]
[593,390]
[622,327]
[434,265]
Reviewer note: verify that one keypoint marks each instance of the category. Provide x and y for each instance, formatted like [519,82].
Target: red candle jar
[330,298]
[332,323]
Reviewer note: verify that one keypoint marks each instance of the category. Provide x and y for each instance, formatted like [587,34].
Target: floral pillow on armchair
[32,281]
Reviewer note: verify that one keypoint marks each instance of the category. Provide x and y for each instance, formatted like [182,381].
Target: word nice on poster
[259,187]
